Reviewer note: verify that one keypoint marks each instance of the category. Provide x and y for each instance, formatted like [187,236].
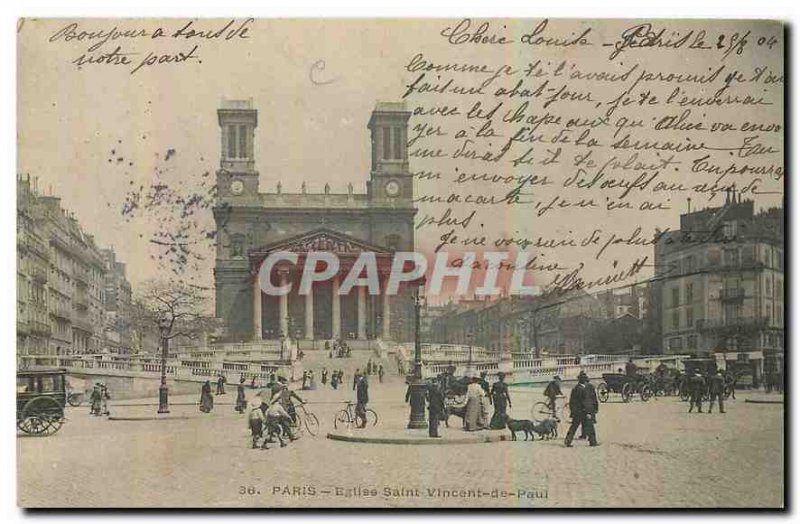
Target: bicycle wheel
[540,412]
[342,419]
[312,424]
[372,418]
[564,414]
[75,399]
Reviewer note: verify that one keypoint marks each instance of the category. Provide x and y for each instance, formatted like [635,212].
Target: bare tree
[177,308]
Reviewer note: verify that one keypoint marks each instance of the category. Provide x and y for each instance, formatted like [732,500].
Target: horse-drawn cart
[625,385]
[41,396]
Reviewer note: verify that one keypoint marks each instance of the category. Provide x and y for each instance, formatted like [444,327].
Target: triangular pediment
[321,240]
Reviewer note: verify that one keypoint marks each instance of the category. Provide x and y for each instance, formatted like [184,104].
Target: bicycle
[541,410]
[307,420]
[347,416]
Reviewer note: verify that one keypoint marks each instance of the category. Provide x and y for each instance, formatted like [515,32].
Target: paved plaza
[651,454]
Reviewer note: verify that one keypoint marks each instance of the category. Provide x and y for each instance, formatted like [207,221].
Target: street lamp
[416,419]
[282,339]
[164,327]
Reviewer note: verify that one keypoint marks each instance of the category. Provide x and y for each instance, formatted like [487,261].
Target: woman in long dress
[206,400]
[501,401]
[473,415]
[241,400]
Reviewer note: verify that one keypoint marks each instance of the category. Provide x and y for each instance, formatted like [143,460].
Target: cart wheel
[627,391]
[540,412]
[342,419]
[602,392]
[42,416]
[646,393]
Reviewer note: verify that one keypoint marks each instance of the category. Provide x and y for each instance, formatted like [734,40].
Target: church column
[336,321]
[387,320]
[362,312]
[257,332]
[284,308]
[310,314]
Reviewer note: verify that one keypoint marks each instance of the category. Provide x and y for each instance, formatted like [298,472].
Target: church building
[252,223]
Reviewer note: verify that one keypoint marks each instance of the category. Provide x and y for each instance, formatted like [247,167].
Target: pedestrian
[380,373]
[335,380]
[312,383]
[369,367]
[501,400]
[435,408]
[362,397]
[305,380]
[716,389]
[583,408]
[355,378]
[104,398]
[324,376]
[257,420]
[697,386]
[206,400]
[94,398]
[473,412]
[253,383]
[241,399]
[221,385]
[552,392]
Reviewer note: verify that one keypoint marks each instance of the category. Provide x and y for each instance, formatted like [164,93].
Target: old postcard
[400,263]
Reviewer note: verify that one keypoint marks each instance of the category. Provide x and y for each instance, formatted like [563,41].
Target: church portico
[326,311]
[252,224]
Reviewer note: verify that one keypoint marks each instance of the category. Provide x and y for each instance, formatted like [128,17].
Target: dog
[547,429]
[525,426]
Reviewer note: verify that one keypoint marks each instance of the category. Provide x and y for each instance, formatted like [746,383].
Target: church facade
[251,224]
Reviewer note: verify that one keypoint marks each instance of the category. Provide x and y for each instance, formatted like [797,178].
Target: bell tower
[237,175]
[390,179]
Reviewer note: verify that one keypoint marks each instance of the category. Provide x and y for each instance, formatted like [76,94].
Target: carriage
[625,385]
[41,396]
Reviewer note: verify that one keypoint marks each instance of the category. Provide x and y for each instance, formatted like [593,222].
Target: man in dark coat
[583,408]
[716,389]
[221,385]
[697,386]
[324,376]
[362,397]
[435,408]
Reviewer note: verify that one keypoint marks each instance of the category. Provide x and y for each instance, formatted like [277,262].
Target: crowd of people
[98,399]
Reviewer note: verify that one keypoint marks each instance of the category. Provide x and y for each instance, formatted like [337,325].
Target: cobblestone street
[651,454]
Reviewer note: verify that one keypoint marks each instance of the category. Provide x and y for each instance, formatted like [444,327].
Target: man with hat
[552,392]
[583,407]
[716,389]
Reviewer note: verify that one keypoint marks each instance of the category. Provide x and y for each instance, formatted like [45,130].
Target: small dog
[525,426]
[547,429]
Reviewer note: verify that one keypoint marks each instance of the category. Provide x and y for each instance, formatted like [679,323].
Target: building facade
[251,224]
[60,282]
[117,304]
[721,279]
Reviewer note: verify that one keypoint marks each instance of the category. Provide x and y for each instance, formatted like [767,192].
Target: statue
[279,187]
[303,188]
[327,188]
[350,188]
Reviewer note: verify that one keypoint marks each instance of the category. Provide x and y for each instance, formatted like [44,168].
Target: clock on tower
[391,180]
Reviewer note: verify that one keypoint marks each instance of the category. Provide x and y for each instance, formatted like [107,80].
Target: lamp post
[164,326]
[416,418]
[282,339]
